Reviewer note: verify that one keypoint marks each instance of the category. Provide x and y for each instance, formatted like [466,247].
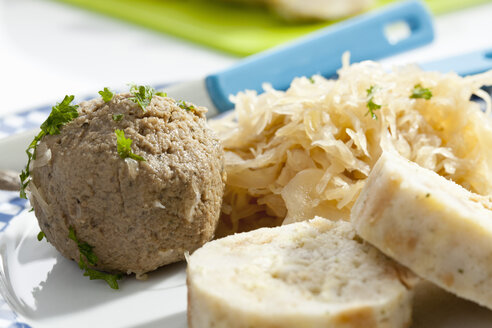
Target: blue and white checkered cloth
[10,206]
[15,123]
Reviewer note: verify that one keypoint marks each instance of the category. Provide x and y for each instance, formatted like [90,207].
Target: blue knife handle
[320,52]
[467,64]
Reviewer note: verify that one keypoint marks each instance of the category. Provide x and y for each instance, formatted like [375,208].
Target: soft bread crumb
[435,227]
[309,274]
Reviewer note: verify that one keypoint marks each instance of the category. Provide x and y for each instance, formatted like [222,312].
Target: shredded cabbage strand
[307,151]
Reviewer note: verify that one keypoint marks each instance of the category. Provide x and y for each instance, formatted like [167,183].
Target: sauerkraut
[307,151]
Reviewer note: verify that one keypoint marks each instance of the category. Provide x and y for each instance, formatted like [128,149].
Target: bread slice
[316,273]
[430,224]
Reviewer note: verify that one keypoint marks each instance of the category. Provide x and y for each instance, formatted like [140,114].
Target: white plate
[47,290]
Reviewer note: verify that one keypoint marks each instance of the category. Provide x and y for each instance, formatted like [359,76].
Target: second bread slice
[435,227]
[308,274]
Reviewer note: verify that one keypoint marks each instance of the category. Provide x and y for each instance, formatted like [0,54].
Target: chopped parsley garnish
[84,248]
[41,235]
[311,80]
[371,105]
[117,117]
[111,279]
[87,256]
[420,92]
[61,114]
[106,95]
[123,146]
[186,106]
[160,93]
[142,95]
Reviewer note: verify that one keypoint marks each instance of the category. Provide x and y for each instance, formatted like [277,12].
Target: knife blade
[464,64]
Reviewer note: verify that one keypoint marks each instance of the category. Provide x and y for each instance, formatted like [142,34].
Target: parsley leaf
[106,94]
[41,235]
[184,105]
[160,93]
[86,252]
[123,146]
[117,117]
[111,279]
[142,95]
[420,92]
[84,248]
[370,103]
[61,114]
[311,80]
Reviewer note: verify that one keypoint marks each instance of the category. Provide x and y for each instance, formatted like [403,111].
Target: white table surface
[49,49]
